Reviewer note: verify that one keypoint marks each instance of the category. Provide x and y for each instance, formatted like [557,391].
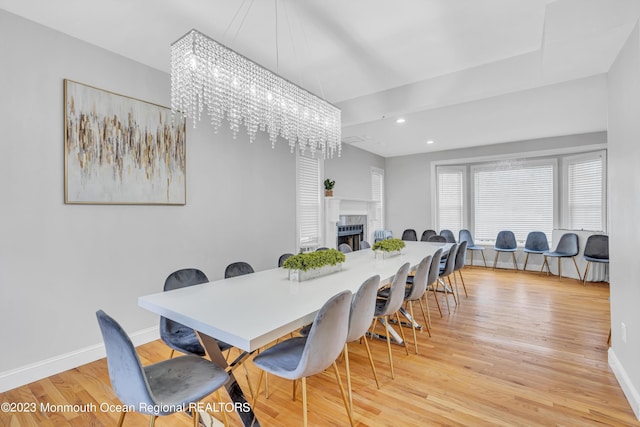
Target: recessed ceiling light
[400,120]
[429,142]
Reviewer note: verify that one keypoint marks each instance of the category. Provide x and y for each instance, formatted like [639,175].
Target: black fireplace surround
[351,235]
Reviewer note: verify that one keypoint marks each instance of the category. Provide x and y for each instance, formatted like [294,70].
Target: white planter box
[386,254]
[299,275]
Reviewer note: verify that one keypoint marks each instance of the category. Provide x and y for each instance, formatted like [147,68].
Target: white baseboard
[630,392]
[45,368]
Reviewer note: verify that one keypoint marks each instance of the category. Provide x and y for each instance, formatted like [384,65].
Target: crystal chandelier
[207,74]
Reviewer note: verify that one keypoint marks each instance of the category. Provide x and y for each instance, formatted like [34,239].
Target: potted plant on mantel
[314,264]
[328,187]
[388,248]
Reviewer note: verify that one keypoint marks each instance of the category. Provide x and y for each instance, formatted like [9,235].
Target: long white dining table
[253,310]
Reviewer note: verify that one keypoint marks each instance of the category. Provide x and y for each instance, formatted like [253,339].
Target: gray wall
[408,183]
[60,263]
[624,191]
[352,172]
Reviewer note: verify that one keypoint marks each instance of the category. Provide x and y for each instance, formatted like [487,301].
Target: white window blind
[516,196]
[450,183]
[377,194]
[584,207]
[309,201]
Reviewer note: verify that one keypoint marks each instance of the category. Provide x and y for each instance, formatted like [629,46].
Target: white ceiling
[462,72]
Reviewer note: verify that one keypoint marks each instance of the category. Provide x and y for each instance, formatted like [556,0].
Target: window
[513,195]
[450,198]
[377,195]
[309,201]
[584,201]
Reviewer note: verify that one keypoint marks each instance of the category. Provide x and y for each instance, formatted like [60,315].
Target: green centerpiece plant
[313,264]
[388,248]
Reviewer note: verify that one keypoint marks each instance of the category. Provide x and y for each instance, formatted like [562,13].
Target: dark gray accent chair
[595,250]
[537,244]
[410,235]
[437,239]
[389,305]
[176,335]
[466,236]
[161,388]
[567,248]
[461,256]
[283,258]
[239,268]
[344,248]
[448,235]
[300,357]
[506,242]
[426,234]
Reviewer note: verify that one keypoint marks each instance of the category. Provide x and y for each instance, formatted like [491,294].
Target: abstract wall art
[121,150]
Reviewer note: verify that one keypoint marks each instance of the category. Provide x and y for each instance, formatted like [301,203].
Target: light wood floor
[522,350]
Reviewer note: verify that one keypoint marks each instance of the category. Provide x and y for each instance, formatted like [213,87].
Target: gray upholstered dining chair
[445,272]
[364,245]
[448,235]
[461,255]
[465,236]
[426,234]
[415,292]
[410,235]
[437,239]
[344,248]
[239,268]
[363,305]
[537,244]
[283,258]
[161,388]
[390,305]
[300,357]
[567,248]
[595,250]
[432,280]
[176,335]
[506,242]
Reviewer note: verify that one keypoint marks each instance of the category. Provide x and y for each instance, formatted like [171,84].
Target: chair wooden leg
[586,271]
[304,401]
[386,325]
[348,372]
[413,326]
[463,285]
[495,260]
[577,270]
[295,383]
[425,315]
[471,254]
[609,338]
[526,258]
[172,353]
[195,415]
[255,397]
[225,420]
[515,261]
[446,297]
[152,421]
[435,296]
[344,398]
[484,259]
[454,288]
[560,267]
[373,367]
[545,262]
[404,339]
[121,420]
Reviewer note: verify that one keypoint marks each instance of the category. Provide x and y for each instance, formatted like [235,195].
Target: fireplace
[351,235]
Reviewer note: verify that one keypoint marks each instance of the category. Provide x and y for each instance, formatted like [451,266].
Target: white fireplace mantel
[336,206]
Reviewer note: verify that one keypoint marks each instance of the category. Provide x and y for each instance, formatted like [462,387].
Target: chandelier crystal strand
[206,76]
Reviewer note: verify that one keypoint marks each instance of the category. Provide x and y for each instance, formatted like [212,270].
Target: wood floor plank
[524,349]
